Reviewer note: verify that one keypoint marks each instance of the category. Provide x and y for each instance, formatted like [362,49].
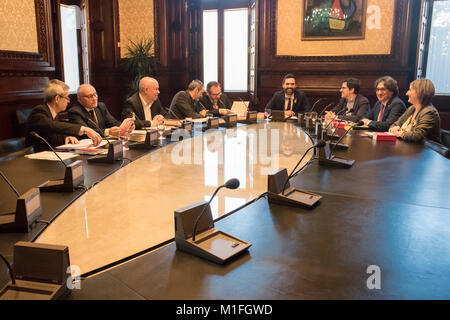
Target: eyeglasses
[64,97]
[343,88]
[94,95]
[380,89]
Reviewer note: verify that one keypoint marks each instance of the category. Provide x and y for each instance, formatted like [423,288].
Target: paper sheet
[49,155]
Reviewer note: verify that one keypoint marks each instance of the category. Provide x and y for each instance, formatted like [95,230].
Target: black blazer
[392,111]
[55,132]
[183,106]
[206,103]
[360,108]
[78,114]
[300,103]
[134,104]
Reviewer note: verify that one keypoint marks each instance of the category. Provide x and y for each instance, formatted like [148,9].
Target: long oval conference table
[389,211]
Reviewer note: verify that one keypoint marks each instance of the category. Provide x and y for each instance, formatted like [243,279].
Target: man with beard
[290,99]
[388,108]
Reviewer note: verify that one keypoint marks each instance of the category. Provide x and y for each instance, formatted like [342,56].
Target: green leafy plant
[139,61]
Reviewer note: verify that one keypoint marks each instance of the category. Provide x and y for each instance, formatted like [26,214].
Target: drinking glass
[161,129]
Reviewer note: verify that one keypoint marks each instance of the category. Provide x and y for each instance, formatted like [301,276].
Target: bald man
[145,104]
[87,111]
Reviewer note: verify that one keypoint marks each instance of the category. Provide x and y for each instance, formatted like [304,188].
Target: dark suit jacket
[206,103]
[78,114]
[392,111]
[183,106]
[427,124]
[300,103]
[134,104]
[360,108]
[55,132]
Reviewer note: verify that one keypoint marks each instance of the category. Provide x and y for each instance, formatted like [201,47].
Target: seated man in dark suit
[290,99]
[352,106]
[214,101]
[145,105]
[183,104]
[388,108]
[43,121]
[88,112]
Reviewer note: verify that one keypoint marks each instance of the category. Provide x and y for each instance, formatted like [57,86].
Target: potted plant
[139,61]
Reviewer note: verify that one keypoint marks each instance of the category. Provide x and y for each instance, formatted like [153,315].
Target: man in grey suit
[145,105]
[183,103]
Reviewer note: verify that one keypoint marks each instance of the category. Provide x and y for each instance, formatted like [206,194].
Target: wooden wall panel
[321,76]
[24,75]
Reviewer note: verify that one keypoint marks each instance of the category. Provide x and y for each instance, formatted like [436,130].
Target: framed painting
[334,19]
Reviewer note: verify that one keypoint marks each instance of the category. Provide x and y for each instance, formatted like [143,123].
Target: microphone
[173,113]
[315,103]
[345,133]
[11,272]
[96,125]
[320,114]
[319,144]
[243,103]
[34,134]
[230,184]
[10,184]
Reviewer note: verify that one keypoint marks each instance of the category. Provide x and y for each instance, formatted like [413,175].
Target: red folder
[383,136]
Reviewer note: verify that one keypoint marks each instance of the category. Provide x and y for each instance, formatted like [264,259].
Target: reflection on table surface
[132,209]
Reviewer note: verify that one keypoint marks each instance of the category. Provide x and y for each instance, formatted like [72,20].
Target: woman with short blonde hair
[421,120]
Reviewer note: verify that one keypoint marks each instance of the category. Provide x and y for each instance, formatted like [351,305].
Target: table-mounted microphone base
[326,158]
[115,152]
[28,210]
[230,120]
[36,280]
[251,117]
[291,196]
[210,243]
[73,177]
[151,141]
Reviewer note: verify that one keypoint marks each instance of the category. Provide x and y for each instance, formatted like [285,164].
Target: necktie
[380,115]
[92,116]
[289,105]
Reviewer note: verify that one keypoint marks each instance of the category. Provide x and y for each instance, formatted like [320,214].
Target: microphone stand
[226,247]
[115,149]
[327,158]
[73,177]
[28,210]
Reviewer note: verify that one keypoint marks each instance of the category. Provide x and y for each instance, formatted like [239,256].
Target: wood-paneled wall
[24,75]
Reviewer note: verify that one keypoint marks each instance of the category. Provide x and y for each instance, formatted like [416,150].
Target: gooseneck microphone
[9,183]
[96,125]
[345,133]
[11,272]
[334,118]
[320,114]
[34,134]
[230,184]
[319,144]
[315,103]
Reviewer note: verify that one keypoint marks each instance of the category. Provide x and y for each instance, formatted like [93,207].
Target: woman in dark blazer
[421,120]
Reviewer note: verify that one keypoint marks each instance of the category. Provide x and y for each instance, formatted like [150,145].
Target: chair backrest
[445,138]
[21,121]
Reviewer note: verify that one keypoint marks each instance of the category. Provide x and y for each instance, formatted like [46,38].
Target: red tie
[380,115]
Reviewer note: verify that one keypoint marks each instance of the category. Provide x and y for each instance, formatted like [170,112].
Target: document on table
[240,107]
[84,143]
[50,155]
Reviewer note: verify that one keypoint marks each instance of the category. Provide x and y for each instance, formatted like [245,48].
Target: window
[434,50]
[69,17]
[229,56]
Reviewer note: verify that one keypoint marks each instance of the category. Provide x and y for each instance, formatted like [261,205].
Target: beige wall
[377,40]
[18,26]
[135,21]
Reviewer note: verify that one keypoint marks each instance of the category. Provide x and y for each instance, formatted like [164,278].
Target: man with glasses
[388,108]
[183,104]
[145,105]
[214,101]
[43,120]
[353,106]
[290,99]
[87,111]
